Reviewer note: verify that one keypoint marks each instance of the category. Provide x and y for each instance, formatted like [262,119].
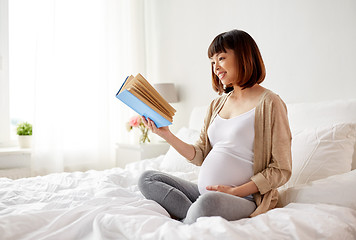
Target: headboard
[302,115]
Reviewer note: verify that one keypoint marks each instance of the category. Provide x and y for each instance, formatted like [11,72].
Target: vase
[25,141]
[135,136]
[144,138]
[139,135]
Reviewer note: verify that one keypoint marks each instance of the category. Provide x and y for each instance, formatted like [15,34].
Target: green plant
[24,128]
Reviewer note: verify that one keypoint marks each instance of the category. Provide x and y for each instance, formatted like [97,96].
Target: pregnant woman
[244,148]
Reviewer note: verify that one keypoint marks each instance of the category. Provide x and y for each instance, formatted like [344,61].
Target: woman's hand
[240,191]
[162,131]
[222,188]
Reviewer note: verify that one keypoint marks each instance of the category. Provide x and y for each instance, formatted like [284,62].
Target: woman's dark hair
[251,69]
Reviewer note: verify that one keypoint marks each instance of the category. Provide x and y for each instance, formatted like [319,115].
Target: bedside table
[128,153]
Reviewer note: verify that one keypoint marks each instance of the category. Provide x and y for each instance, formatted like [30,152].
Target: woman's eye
[221,58]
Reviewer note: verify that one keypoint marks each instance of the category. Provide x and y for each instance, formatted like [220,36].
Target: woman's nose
[217,66]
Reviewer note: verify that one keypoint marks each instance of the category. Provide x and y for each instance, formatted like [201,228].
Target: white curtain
[83,50]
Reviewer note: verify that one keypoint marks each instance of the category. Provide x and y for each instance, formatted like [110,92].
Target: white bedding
[318,203]
[107,205]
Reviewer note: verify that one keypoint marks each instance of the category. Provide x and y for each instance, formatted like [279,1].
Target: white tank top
[230,161]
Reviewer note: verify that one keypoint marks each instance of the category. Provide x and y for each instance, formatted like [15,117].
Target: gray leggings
[183,201]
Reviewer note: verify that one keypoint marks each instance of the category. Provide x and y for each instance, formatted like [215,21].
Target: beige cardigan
[272,147]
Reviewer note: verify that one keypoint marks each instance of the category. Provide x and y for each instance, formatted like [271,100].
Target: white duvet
[108,205]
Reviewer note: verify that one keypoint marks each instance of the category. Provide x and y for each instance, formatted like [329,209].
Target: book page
[148,103]
[148,88]
[143,90]
[150,98]
[127,83]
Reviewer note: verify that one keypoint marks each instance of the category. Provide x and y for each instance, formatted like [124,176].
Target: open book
[139,95]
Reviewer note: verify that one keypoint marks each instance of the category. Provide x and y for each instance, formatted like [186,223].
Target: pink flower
[135,121]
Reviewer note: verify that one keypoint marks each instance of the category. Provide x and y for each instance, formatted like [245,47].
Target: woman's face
[225,67]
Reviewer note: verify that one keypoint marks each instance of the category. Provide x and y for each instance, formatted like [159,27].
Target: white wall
[309,46]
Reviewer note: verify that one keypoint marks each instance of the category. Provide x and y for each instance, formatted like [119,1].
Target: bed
[317,203]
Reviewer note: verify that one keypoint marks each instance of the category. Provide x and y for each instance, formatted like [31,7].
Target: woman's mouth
[221,75]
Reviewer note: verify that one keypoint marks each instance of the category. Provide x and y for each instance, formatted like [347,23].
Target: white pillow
[337,190]
[197,116]
[321,152]
[173,161]
[314,114]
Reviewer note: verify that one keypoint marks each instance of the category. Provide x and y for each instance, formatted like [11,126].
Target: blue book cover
[140,107]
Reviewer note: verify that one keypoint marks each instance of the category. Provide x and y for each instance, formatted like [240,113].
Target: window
[21,64]
[4,76]
[16,72]
[45,48]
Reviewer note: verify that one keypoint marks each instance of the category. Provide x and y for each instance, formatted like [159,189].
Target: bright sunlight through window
[21,64]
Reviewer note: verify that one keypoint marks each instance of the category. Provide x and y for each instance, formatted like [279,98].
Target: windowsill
[14,150]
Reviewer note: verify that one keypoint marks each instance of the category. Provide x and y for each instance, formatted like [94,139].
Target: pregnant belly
[221,168]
